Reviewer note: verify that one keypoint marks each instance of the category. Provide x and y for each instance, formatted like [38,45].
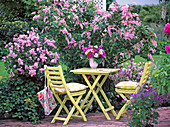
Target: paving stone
[93,120]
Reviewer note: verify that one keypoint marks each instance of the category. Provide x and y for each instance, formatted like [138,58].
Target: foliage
[8,29]
[18,8]
[142,108]
[75,26]
[26,58]
[161,46]
[161,75]
[18,98]
[150,14]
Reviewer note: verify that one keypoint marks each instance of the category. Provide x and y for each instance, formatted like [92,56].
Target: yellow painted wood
[108,109]
[60,118]
[124,93]
[56,79]
[96,74]
[94,71]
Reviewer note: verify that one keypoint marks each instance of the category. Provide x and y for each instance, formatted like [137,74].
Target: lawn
[3,72]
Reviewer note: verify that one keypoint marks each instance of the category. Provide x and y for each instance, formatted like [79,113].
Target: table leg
[104,95]
[96,97]
[91,100]
[88,94]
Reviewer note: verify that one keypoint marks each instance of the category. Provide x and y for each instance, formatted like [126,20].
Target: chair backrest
[145,74]
[55,77]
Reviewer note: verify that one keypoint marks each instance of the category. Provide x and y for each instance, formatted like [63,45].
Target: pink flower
[85,49]
[43,58]
[32,72]
[21,70]
[95,28]
[122,54]
[167,48]
[104,54]
[89,55]
[150,56]
[167,28]
[83,33]
[36,17]
[20,61]
[26,67]
[12,74]
[36,65]
[154,42]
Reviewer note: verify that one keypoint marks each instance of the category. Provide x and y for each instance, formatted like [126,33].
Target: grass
[4,74]
[140,59]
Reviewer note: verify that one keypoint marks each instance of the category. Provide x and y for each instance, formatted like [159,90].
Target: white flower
[96,46]
[96,55]
[101,51]
[90,50]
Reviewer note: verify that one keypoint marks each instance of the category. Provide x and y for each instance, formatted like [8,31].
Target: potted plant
[95,54]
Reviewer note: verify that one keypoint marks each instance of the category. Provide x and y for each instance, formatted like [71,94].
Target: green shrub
[18,99]
[150,14]
[161,75]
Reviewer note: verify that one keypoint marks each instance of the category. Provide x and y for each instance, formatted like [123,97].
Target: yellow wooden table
[96,74]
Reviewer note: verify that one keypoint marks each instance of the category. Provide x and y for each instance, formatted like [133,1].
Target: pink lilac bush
[75,26]
[29,53]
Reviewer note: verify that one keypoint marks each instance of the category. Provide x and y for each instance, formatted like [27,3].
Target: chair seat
[72,87]
[128,85]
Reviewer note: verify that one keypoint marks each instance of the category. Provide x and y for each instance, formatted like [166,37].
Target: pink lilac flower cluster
[72,38]
[167,29]
[131,72]
[28,54]
[94,51]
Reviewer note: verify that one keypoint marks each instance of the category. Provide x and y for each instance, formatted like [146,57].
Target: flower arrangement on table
[95,52]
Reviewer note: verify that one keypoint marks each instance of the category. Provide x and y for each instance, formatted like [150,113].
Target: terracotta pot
[92,63]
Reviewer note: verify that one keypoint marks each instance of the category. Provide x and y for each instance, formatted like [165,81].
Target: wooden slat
[77,116]
[52,68]
[57,82]
[54,73]
[54,77]
[60,118]
[108,109]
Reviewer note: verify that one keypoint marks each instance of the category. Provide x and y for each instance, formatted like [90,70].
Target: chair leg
[79,109]
[75,105]
[60,101]
[122,111]
[59,110]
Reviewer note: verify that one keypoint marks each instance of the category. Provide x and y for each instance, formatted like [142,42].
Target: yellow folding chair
[73,92]
[125,88]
